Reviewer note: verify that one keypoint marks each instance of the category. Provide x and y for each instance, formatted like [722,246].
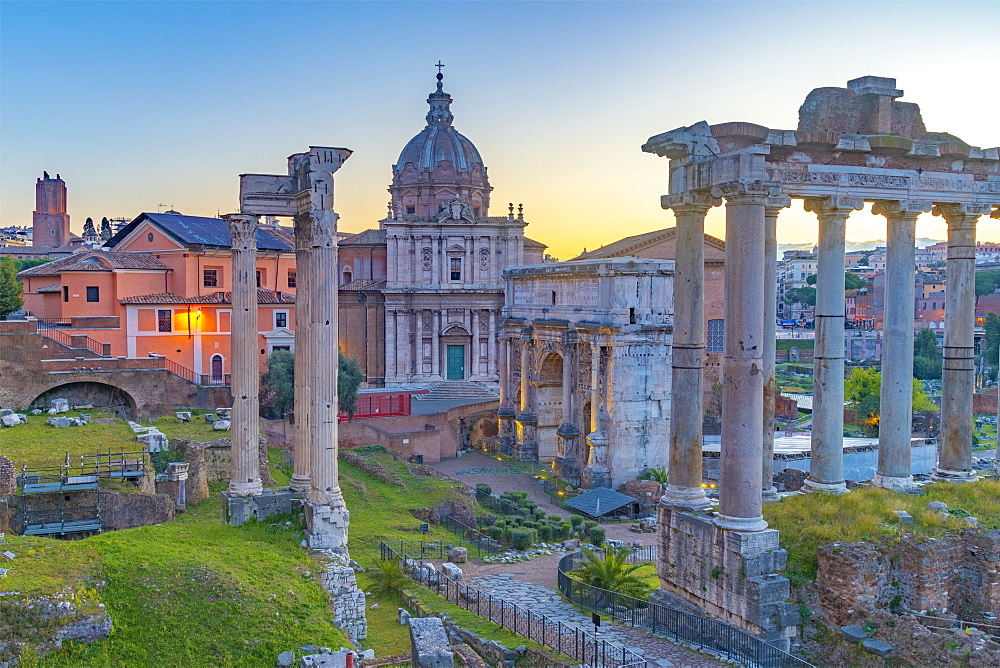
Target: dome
[436,143]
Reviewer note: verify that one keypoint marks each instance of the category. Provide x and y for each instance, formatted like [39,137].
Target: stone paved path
[543,600]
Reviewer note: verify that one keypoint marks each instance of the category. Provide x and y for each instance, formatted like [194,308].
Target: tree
[88,228]
[105,228]
[926,357]
[613,572]
[10,287]
[851,281]
[278,383]
[806,296]
[992,350]
[863,389]
[387,579]
[987,282]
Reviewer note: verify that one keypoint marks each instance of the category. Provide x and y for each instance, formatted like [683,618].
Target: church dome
[439,164]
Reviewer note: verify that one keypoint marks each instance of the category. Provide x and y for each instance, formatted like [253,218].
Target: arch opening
[100,395]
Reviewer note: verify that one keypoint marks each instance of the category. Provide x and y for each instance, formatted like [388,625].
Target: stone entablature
[585,356]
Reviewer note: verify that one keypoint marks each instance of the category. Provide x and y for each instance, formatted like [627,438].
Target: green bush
[483,488]
[545,533]
[589,524]
[556,518]
[576,520]
[597,535]
[520,539]
[539,513]
[496,532]
[565,526]
[530,505]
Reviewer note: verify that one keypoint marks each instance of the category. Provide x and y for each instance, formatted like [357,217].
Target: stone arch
[549,409]
[100,394]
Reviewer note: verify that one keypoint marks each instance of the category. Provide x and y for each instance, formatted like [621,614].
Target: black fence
[502,506]
[472,534]
[583,647]
[699,632]
[438,549]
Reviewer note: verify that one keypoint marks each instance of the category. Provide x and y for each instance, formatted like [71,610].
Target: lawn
[195,430]
[809,521]
[39,444]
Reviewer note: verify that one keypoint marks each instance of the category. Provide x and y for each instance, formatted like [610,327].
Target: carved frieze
[425,259]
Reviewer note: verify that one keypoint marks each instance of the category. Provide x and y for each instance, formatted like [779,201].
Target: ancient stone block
[58,406]
[59,422]
[10,420]
[6,411]
[429,642]
[285,660]
[452,571]
[853,633]
[183,416]
[155,440]
[221,425]
[904,517]
[458,555]
[877,647]
[404,616]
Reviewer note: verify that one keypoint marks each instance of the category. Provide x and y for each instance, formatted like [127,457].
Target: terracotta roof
[368,237]
[364,284]
[97,260]
[531,243]
[263,297]
[49,288]
[627,245]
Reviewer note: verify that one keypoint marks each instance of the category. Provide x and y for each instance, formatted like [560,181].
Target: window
[273,348]
[475,212]
[93,293]
[65,293]
[163,320]
[258,278]
[211,278]
[149,237]
[280,319]
[456,268]
[291,279]
[410,210]
[716,336]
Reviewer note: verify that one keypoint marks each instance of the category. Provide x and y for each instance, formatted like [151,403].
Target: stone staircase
[456,389]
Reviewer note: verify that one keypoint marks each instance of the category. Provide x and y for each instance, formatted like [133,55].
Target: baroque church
[421,295]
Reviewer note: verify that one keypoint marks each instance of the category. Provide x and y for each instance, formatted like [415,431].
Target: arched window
[348,275]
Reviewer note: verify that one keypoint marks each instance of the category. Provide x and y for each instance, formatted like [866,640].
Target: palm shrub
[388,578]
[597,535]
[658,474]
[613,572]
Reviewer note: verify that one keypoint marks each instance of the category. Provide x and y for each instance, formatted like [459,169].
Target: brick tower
[50,222]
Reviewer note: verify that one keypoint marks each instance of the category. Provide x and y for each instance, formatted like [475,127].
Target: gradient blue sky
[137,104]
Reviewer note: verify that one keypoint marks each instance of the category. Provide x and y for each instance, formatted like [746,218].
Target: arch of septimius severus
[853,145]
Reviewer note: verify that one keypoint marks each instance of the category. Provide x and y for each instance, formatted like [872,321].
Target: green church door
[456,362]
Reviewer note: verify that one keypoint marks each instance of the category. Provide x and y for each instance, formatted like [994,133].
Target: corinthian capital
[746,191]
[693,201]
[959,215]
[837,206]
[776,203]
[243,230]
[324,228]
[907,208]
[303,232]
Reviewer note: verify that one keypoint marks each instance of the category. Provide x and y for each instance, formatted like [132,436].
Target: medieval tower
[50,222]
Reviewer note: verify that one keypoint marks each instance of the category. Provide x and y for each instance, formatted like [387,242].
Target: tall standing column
[527,418]
[303,359]
[568,432]
[896,405]
[826,467]
[740,495]
[245,477]
[436,345]
[506,412]
[390,345]
[688,350]
[596,473]
[771,210]
[958,380]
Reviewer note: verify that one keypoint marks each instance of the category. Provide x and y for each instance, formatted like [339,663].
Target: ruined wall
[956,574]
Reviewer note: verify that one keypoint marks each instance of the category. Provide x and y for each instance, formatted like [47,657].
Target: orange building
[163,289]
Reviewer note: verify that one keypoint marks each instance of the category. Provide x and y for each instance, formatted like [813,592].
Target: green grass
[809,521]
[195,430]
[788,344]
[39,444]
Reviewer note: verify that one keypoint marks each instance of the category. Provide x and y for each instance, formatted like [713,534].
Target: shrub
[556,518]
[539,513]
[545,533]
[388,579]
[565,529]
[483,488]
[496,532]
[597,535]
[589,524]
[576,520]
[530,505]
[520,539]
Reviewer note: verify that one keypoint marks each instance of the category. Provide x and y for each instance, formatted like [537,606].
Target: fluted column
[527,418]
[740,495]
[896,404]
[958,380]
[826,467]
[568,432]
[300,481]
[688,351]
[491,349]
[245,477]
[597,472]
[390,345]
[772,208]
[506,412]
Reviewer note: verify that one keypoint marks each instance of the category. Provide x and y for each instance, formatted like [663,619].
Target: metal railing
[48,329]
[573,641]
[700,632]
[438,549]
[502,506]
[946,624]
[471,534]
[202,379]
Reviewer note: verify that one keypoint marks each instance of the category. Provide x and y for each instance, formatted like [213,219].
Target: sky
[143,104]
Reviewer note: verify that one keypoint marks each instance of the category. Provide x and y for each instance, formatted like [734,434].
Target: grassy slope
[40,444]
[809,521]
[195,430]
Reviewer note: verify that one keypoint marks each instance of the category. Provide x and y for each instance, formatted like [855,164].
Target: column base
[507,445]
[901,483]
[770,494]
[567,468]
[326,526]
[689,498]
[236,510]
[592,477]
[811,485]
[947,475]
[250,488]
[299,483]
[743,524]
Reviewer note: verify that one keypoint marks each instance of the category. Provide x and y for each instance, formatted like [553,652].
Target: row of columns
[405,263]
[405,334]
[748,368]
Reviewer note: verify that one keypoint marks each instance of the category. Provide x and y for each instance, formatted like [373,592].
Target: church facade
[421,296]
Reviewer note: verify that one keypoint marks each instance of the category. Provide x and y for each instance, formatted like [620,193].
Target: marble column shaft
[740,496]
[959,376]
[688,352]
[245,477]
[300,481]
[773,207]
[826,467]
[896,403]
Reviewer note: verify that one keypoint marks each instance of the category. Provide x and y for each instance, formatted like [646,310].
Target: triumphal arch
[853,145]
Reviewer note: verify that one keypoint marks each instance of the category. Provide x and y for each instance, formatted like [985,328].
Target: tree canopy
[278,383]
[987,282]
[863,389]
[926,356]
[10,287]
[851,281]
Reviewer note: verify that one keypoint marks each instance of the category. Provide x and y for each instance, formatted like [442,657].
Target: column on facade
[772,208]
[826,467]
[896,409]
[740,496]
[245,477]
[303,361]
[491,346]
[568,432]
[688,350]
[474,343]
[506,412]
[958,380]
[436,343]
[390,344]
[527,418]
[403,342]
[597,473]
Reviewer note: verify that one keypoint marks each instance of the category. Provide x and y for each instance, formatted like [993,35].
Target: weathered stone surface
[452,571]
[155,440]
[904,517]
[285,659]
[10,420]
[221,425]
[183,416]
[403,616]
[224,413]
[429,642]
[6,411]
[60,422]
[209,418]
[58,406]
[458,555]
[877,646]
[938,506]
[853,633]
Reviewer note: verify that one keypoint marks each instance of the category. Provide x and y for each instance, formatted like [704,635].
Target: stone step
[456,389]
